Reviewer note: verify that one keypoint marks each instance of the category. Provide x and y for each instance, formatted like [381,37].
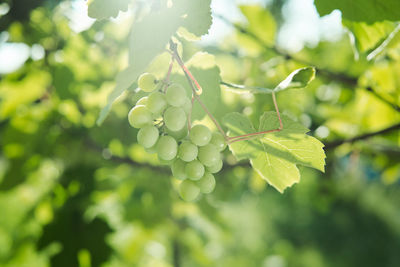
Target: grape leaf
[197,15]
[368,11]
[275,155]
[104,9]
[299,78]
[149,38]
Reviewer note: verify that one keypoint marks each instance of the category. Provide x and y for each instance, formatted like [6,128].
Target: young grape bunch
[194,155]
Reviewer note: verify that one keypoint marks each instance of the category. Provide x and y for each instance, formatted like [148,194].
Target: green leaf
[104,9]
[197,15]
[261,22]
[299,78]
[368,36]
[368,11]
[275,155]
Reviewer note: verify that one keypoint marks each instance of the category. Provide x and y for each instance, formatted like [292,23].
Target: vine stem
[166,80]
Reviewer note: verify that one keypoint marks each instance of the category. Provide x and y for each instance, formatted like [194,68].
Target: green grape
[218,141]
[200,135]
[174,118]
[194,170]
[176,95]
[216,167]
[152,150]
[167,148]
[188,190]
[209,155]
[206,183]
[178,135]
[139,116]
[178,169]
[147,82]
[142,101]
[166,162]
[187,151]
[156,103]
[187,106]
[148,136]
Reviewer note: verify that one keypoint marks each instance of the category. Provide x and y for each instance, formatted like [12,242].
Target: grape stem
[195,96]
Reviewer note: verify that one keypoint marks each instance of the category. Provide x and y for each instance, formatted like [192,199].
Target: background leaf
[260,22]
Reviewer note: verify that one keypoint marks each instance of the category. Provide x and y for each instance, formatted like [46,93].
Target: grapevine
[164,119]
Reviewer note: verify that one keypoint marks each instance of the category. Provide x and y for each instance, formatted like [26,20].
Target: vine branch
[337,143]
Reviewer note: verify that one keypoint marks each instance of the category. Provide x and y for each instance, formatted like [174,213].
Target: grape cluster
[194,156]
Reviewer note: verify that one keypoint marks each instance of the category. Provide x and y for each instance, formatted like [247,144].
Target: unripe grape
[187,151]
[215,167]
[174,118]
[178,135]
[194,170]
[200,135]
[178,169]
[148,136]
[147,82]
[206,183]
[208,155]
[166,162]
[139,116]
[167,147]
[188,190]
[142,101]
[152,150]
[187,106]
[156,103]
[176,95]
[218,141]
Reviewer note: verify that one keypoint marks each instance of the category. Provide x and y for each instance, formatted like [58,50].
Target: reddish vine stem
[251,135]
[199,90]
[166,80]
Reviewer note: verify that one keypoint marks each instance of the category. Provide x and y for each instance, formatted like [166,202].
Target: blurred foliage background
[76,194]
